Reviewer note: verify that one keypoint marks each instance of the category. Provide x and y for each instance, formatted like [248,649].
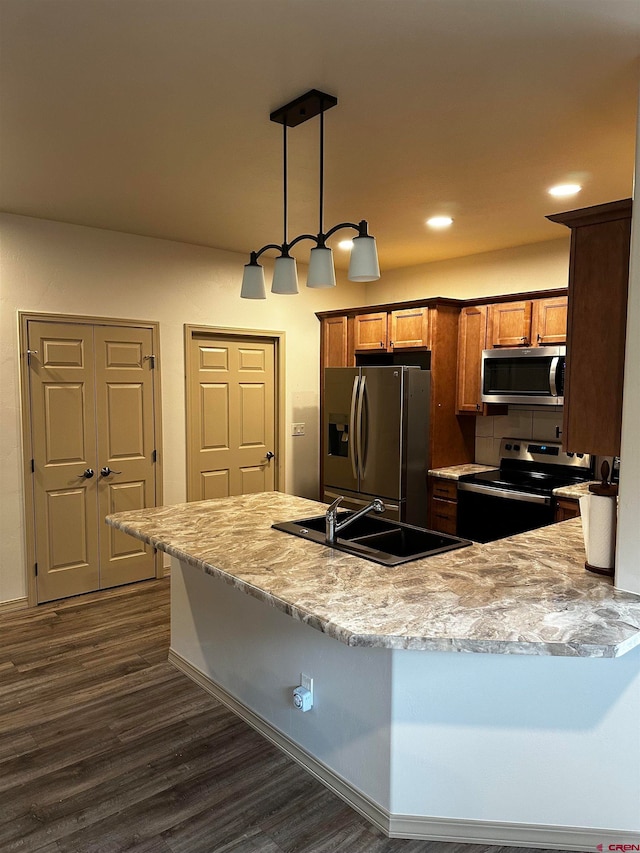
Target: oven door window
[484,518]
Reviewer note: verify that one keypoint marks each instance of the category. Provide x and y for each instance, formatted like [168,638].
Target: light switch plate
[297,429]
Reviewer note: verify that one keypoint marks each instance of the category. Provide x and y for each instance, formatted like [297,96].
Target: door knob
[270,455]
[105,471]
[87,473]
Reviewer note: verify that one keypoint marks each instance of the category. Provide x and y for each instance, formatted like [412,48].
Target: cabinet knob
[382,344]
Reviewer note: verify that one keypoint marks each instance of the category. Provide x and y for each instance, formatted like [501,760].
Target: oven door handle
[504,493]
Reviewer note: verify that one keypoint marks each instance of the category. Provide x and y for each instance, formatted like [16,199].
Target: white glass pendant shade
[321,270]
[253,282]
[285,276]
[363,265]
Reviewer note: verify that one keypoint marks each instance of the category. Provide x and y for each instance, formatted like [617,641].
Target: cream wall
[53,267]
[538,266]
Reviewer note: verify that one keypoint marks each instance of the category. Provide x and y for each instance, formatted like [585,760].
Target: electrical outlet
[297,429]
[307,682]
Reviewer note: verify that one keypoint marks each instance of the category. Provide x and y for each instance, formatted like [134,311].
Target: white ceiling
[152,116]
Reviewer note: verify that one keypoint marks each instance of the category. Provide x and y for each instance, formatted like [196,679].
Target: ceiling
[152,116]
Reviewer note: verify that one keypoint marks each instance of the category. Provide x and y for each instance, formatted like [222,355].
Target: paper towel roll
[599,528]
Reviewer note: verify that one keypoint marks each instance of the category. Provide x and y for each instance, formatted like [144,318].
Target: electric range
[518,496]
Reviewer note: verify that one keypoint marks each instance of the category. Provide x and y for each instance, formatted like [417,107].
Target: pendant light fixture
[363,265]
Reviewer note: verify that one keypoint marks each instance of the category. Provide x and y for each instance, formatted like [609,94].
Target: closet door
[125,447]
[92,429]
[63,429]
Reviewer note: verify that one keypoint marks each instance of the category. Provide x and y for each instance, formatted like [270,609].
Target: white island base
[492,748]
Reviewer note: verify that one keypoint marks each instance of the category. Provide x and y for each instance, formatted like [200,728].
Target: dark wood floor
[105,747]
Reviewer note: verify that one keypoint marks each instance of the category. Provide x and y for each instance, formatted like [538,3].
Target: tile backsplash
[539,424]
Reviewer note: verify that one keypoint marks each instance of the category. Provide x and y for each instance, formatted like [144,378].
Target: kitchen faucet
[333,526]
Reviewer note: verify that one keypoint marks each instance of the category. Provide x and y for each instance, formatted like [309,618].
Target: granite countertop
[528,594]
[454,472]
[574,492]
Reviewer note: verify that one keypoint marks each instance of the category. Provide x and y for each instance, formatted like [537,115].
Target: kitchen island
[517,742]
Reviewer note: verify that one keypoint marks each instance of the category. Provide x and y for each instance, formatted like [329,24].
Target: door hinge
[33,466]
[35,566]
[154,455]
[31,352]
[151,359]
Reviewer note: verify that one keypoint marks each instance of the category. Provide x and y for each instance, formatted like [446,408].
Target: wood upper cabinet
[596,331]
[406,328]
[472,338]
[529,323]
[370,332]
[409,328]
[549,321]
[335,342]
[510,324]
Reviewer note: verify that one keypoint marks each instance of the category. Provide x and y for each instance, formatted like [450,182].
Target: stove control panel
[548,452]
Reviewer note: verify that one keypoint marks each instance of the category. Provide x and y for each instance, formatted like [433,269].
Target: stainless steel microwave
[533,376]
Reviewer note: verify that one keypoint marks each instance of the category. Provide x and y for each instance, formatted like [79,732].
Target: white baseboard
[583,839]
[14,604]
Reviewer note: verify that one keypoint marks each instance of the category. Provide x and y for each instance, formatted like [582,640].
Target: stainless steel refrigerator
[376,438]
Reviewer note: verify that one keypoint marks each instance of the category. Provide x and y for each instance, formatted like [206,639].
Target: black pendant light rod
[321,237]
[285,247]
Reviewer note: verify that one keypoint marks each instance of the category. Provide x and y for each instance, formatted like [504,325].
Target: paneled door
[231,416]
[92,430]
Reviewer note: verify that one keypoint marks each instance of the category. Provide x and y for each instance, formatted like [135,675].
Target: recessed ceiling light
[439,222]
[561,190]
[345,244]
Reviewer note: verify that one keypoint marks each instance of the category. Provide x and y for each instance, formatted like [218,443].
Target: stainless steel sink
[379,539]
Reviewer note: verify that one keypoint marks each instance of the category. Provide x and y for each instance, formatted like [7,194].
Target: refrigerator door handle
[352,428]
[359,428]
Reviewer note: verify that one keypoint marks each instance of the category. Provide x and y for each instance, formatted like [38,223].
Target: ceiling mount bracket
[307,106]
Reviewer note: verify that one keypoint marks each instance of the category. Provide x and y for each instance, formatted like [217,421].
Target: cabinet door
[370,331]
[334,342]
[596,330]
[510,324]
[549,322]
[443,506]
[472,336]
[566,508]
[409,328]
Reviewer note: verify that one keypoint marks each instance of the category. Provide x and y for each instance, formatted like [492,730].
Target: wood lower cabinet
[566,508]
[443,505]
[370,332]
[409,328]
[596,329]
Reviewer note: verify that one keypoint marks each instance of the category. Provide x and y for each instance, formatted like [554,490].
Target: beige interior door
[126,446]
[62,379]
[231,416]
[91,409]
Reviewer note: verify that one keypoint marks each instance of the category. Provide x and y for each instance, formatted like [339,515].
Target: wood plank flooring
[105,747]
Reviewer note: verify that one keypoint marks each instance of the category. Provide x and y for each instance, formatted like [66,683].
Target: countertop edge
[389,641]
